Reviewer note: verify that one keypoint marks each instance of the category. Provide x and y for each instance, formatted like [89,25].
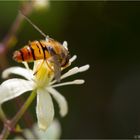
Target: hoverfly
[48,50]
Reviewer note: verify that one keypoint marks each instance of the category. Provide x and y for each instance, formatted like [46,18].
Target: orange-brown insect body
[43,49]
[49,50]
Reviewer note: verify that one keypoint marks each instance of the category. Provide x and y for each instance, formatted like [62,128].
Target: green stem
[11,124]
[2,114]
[24,107]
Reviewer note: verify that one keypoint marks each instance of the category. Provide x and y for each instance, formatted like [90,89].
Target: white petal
[28,134]
[75,70]
[84,68]
[65,44]
[73,58]
[44,109]
[52,133]
[12,88]
[74,82]
[70,72]
[28,74]
[60,100]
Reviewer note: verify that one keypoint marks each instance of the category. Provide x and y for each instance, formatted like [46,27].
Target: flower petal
[74,82]
[60,100]
[44,109]
[84,68]
[28,134]
[70,72]
[75,70]
[28,74]
[12,88]
[52,133]
[72,59]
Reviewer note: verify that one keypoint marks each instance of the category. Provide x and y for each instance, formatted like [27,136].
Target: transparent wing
[57,70]
[56,67]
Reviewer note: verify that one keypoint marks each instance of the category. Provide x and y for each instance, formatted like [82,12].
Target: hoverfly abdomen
[42,49]
[24,54]
[30,52]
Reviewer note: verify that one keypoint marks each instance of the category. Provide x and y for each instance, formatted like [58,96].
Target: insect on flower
[49,58]
[54,53]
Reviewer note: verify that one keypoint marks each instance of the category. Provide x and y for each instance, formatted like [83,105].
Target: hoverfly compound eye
[65,45]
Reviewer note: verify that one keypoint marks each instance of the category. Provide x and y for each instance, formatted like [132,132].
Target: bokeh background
[105,35]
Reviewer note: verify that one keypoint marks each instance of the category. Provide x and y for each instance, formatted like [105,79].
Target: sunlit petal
[84,68]
[28,74]
[75,70]
[12,88]
[72,59]
[65,45]
[52,133]
[44,109]
[60,100]
[74,82]
[70,72]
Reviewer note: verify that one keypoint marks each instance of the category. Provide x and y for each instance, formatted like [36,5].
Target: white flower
[44,84]
[53,132]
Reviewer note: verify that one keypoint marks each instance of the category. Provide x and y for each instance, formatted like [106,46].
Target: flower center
[43,74]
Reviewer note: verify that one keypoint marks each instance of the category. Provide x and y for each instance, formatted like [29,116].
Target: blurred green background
[105,35]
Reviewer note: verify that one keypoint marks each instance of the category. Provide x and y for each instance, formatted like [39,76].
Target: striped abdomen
[37,50]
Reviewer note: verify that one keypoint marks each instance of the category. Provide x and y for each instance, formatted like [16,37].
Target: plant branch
[2,115]
[10,124]
[26,8]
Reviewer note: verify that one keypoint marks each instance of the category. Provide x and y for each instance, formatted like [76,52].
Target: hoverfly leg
[57,71]
[38,68]
[35,72]
[49,66]
[56,67]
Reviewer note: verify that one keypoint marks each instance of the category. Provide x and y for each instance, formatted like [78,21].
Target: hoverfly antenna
[41,32]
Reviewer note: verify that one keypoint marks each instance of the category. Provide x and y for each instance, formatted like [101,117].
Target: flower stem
[2,115]
[24,107]
[4,134]
[9,126]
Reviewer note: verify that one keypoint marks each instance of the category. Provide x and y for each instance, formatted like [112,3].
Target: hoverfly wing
[56,67]
[57,71]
